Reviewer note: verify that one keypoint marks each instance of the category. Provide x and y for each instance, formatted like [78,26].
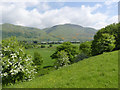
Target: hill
[67,32]
[71,32]
[95,72]
[24,33]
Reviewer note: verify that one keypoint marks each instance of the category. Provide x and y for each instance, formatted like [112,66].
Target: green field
[95,72]
[45,53]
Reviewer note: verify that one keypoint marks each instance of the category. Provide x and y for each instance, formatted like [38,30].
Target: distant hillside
[67,32]
[24,33]
[71,32]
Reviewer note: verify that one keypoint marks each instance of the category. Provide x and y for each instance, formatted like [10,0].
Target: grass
[0,87]
[45,53]
[95,72]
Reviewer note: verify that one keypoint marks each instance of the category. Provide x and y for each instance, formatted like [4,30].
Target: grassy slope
[96,72]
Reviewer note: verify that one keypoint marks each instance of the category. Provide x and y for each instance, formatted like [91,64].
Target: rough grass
[96,72]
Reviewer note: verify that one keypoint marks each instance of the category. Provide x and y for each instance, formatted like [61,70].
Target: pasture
[45,53]
[99,71]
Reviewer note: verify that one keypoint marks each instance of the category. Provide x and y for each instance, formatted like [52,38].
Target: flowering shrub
[16,65]
[62,59]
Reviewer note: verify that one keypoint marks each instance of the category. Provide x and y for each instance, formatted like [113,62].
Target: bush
[16,65]
[118,37]
[37,60]
[50,45]
[45,70]
[112,29]
[85,48]
[105,43]
[80,57]
[62,59]
[42,46]
[27,46]
[70,49]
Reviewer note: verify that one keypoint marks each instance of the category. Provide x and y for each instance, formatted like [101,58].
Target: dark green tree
[50,45]
[118,37]
[69,48]
[113,30]
[86,48]
[38,60]
[104,43]
[42,46]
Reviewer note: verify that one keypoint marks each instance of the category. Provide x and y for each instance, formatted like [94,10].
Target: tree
[112,29]
[37,60]
[86,48]
[67,47]
[16,64]
[42,46]
[50,45]
[118,37]
[62,59]
[80,57]
[104,43]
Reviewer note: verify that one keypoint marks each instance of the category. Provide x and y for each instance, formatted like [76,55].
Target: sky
[47,14]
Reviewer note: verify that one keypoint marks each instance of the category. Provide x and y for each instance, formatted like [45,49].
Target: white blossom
[5,74]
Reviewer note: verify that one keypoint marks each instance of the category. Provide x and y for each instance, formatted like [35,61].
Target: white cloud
[109,2]
[16,13]
[40,6]
[113,19]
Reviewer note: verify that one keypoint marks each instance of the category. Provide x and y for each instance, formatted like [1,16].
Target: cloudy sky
[46,14]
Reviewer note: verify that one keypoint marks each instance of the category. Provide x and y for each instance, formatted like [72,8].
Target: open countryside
[44,49]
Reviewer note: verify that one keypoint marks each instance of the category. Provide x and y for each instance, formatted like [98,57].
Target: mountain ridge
[66,32]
